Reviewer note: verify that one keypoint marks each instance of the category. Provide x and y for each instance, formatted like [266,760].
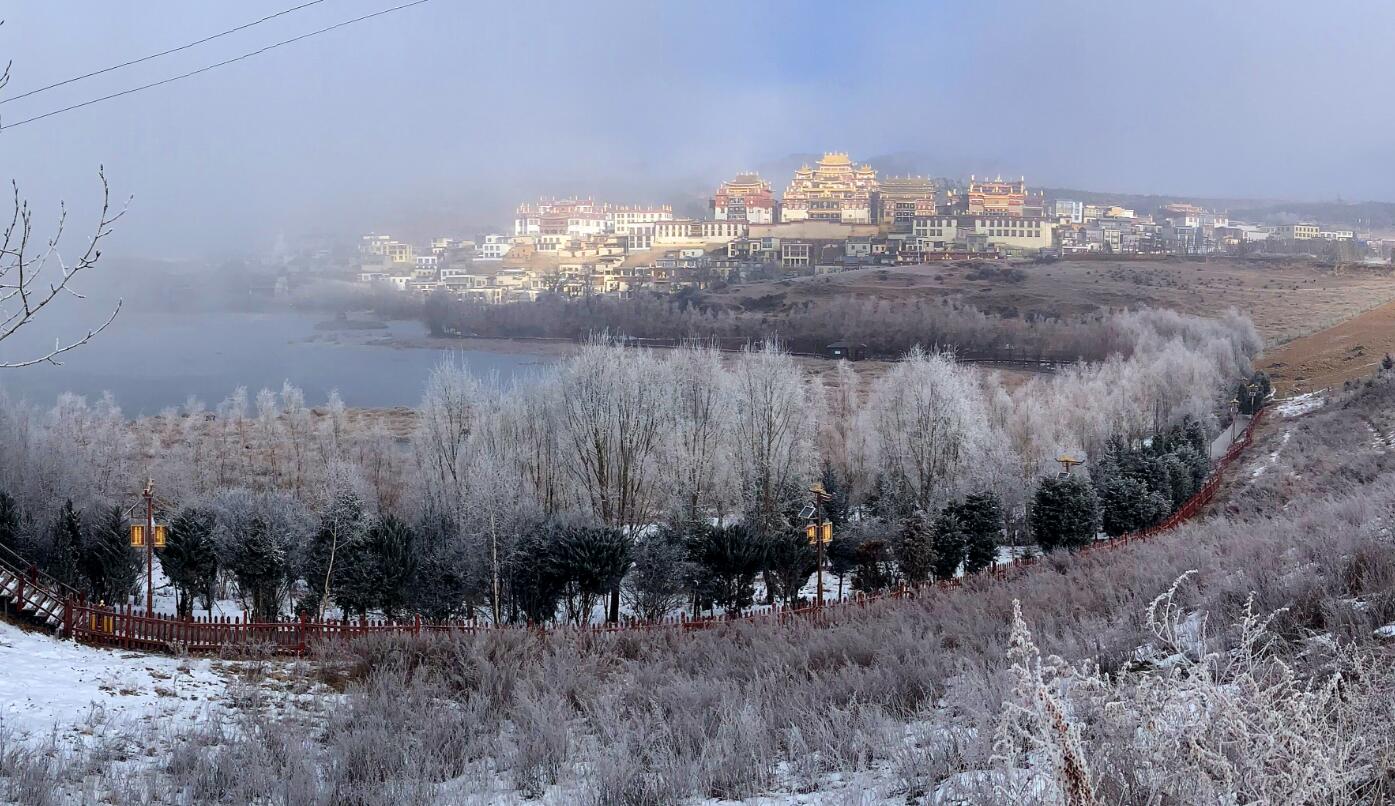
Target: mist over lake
[150,361]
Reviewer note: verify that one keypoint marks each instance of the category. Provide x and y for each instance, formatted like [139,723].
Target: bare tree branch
[22,267]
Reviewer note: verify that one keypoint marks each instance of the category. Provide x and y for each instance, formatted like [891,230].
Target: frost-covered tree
[449,414]
[657,583]
[929,422]
[696,468]
[254,535]
[774,427]
[615,411]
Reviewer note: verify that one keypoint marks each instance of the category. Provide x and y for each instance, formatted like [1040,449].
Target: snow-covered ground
[76,694]
[48,686]
[1300,404]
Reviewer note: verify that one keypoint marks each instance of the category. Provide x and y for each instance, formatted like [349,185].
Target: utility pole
[820,533]
[150,546]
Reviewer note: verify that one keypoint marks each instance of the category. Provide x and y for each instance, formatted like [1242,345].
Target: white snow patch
[1386,633]
[1300,404]
[50,685]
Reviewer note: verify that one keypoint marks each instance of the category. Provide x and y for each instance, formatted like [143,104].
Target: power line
[172,79]
[161,53]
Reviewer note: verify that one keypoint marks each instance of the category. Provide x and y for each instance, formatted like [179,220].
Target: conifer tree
[981,517]
[915,548]
[109,562]
[730,558]
[534,587]
[64,560]
[950,542]
[341,526]
[190,560]
[1064,514]
[789,562]
[394,546]
[658,580]
[841,553]
[589,562]
[873,571]
[258,563]
[9,524]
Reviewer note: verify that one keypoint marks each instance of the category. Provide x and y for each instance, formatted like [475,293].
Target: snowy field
[67,690]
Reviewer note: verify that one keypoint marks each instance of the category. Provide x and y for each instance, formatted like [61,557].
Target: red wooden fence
[130,628]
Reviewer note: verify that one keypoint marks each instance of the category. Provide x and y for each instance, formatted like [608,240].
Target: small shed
[852,351]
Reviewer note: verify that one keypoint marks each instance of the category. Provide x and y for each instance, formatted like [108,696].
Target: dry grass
[1286,299]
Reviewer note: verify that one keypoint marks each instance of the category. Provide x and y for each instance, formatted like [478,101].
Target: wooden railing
[129,628]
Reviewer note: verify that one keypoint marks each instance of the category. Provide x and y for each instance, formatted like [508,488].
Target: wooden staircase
[31,595]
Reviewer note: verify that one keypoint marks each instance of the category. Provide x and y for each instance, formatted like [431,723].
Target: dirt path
[1352,349]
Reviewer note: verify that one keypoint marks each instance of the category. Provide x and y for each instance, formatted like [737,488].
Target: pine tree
[341,526]
[9,526]
[64,555]
[1127,505]
[841,553]
[789,562]
[1064,514]
[730,557]
[950,542]
[394,546]
[447,584]
[873,571]
[189,558]
[915,549]
[112,567]
[835,507]
[534,587]
[258,563]
[981,517]
[589,562]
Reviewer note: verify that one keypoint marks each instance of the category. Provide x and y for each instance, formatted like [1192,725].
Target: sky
[438,119]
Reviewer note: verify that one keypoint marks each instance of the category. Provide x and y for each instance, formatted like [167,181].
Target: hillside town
[833,216]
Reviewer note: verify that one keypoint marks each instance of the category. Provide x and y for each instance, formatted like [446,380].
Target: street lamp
[1068,463]
[819,531]
[1234,417]
[150,536]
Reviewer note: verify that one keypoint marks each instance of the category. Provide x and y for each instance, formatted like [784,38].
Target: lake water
[150,362]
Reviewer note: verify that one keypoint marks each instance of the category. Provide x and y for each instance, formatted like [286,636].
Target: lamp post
[820,532]
[150,537]
[1234,417]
